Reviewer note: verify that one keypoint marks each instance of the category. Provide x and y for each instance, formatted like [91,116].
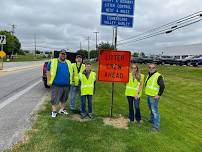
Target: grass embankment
[181,121]
[27,57]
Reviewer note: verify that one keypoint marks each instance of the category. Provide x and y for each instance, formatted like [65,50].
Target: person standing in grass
[59,77]
[133,93]
[78,68]
[87,80]
[154,88]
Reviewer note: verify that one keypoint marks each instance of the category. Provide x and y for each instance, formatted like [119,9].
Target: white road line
[17,95]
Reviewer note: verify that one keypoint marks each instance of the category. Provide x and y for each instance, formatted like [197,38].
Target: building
[182,51]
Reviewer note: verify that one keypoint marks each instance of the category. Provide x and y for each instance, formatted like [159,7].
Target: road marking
[17,95]
[7,72]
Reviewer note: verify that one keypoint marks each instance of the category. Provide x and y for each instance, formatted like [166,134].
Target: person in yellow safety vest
[78,68]
[154,88]
[59,77]
[87,80]
[133,93]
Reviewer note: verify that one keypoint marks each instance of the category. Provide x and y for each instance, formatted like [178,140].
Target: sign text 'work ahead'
[114,66]
[125,7]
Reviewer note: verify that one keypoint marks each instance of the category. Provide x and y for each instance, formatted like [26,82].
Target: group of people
[67,79]
[153,87]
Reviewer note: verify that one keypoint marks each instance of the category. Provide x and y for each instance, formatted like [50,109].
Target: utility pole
[88,38]
[96,47]
[13,27]
[35,44]
[80,45]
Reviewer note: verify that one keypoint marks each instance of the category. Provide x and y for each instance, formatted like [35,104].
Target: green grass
[27,57]
[181,121]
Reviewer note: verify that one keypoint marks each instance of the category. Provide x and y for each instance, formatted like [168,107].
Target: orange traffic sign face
[114,66]
[2,54]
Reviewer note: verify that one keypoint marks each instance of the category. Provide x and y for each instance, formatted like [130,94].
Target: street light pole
[96,34]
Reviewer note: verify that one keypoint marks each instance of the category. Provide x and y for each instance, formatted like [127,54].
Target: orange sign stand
[114,66]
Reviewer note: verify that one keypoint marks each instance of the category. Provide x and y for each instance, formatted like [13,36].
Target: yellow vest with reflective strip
[87,85]
[152,87]
[76,73]
[133,86]
[53,70]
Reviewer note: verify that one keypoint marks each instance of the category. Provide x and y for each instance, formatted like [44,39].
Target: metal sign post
[115,47]
[2,53]
[118,14]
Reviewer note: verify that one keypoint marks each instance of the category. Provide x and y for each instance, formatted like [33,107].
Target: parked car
[44,77]
[186,61]
[168,60]
[197,61]
[70,56]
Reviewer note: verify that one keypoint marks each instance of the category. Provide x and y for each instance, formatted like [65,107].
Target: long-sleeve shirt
[160,82]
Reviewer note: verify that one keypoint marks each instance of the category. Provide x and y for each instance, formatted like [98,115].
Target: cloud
[66,23]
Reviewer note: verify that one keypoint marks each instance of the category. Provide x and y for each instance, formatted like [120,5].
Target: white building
[182,51]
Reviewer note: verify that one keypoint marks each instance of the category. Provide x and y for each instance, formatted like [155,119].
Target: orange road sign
[114,66]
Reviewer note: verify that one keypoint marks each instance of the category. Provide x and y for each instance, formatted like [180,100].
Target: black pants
[131,102]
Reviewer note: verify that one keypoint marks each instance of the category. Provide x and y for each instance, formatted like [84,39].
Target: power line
[155,32]
[168,26]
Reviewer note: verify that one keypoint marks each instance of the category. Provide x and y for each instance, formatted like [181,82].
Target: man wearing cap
[59,77]
[78,68]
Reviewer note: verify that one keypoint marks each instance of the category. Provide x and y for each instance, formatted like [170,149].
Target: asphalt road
[21,92]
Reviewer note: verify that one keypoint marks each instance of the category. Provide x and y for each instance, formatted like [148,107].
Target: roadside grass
[181,121]
[27,57]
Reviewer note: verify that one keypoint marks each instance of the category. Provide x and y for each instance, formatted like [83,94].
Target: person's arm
[161,89]
[162,85]
[140,88]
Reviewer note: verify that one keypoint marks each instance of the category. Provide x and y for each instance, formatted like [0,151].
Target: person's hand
[136,96]
[48,84]
[156,97]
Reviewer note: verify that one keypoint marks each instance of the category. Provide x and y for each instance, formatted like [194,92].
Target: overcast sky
[66,23]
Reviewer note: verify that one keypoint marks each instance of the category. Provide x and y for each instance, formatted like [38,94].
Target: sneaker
[154,129]
[83,116]
[54,114]
[90,115]
[140,122]
[63,111]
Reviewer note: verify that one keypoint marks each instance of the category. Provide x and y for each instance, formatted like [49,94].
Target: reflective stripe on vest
[87,85]
[53,70]
[76,74]
[133,85]
[152,87]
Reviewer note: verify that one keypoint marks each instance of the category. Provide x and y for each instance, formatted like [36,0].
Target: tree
[105,45]
[12,43]
[84,53]
[94,53]
[135,54]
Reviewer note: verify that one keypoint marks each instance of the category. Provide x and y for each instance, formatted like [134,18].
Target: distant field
[181,121]
[27,57]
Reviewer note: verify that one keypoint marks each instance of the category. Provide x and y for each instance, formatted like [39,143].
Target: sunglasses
[133,67]
[63,53]
[152,67]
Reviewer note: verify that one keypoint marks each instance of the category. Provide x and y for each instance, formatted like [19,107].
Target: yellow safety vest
[87,85]
[133,86]
[152,87]
[53,70]
[76,73]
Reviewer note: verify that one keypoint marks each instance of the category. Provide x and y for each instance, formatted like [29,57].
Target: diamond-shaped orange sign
[2,54]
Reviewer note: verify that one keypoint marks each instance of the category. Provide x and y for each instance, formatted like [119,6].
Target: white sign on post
[2,39]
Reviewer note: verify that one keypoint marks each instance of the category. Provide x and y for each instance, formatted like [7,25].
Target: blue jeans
[73,91]
[154,113]
[131,102]
[83,104]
